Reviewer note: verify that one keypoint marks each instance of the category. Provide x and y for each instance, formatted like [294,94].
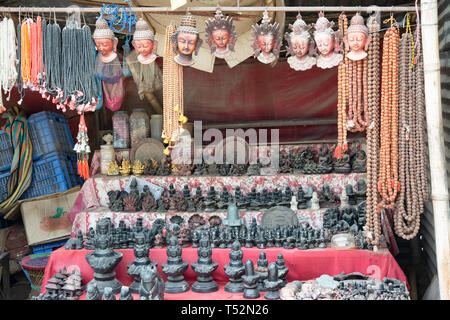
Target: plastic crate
[54,172]
[3,185]
[48,247]
[49,132]
[6,151]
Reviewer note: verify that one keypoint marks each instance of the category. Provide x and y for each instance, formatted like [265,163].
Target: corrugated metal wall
[427,242]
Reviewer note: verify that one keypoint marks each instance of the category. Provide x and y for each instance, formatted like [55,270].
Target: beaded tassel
[82,149]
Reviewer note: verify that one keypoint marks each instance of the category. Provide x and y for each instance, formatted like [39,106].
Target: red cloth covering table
[303,265]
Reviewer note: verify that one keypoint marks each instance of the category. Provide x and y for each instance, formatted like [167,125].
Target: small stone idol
[204,267]
[174,268]
[272,284]
[251,280]
[235,269]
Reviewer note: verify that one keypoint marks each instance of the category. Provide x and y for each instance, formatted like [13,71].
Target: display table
[94,193]
[302,264]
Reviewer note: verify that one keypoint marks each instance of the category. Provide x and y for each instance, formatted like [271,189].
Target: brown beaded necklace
[373,95]
[388,184]
[414,193]
[342,94]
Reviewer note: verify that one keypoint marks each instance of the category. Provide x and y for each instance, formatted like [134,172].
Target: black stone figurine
[104,259]
[235,269]
[125,293]
[272,284]
[92,292]
[141,253]
[152,284]
[282,269]
[108,294]
[204,267]
[250,281]
[261,269]
[174,268]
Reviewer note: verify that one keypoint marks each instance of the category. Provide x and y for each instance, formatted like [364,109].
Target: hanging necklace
[8,71]
[414,193]
[373,226]
[388,184]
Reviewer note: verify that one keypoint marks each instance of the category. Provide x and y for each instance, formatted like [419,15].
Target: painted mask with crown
[220,34]
[186,40]
[266,40]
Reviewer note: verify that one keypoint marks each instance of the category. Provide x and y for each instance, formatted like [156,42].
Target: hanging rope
[21,168]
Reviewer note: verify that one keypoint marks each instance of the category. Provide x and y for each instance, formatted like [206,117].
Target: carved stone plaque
[282,216]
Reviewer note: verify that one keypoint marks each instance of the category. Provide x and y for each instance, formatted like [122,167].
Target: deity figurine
[266,40]
[103,260]
[204,267]
[141,253]
[251,280]
[186,41]
[357,38]
[235,269]
[220,35]
[108,66]
[174,268]
[301,46]
[327,41]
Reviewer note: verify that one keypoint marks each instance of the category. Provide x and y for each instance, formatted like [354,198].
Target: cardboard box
[46,219]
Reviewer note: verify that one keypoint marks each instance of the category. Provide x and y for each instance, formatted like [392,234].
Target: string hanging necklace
[19,63]
[414,191]
[25,53]
[8,69]
[373,224]
[388,184]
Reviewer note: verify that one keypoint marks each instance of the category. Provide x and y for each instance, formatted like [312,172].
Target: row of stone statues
[297,162]
[223,234]
[184,201]
[150,285]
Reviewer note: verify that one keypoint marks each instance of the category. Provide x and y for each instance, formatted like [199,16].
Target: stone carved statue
[152,284]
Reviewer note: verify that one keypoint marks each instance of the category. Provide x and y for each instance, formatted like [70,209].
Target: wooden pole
[435,131]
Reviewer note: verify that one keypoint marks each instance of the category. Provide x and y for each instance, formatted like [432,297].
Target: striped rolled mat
[19,179]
